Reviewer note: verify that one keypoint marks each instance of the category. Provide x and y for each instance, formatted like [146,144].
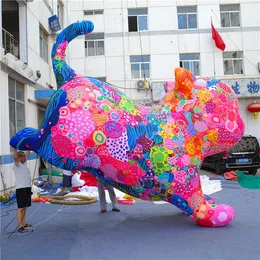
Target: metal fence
[10,44]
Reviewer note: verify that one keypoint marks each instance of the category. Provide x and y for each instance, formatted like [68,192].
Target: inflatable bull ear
[184,83]
[181,88]
[151,153]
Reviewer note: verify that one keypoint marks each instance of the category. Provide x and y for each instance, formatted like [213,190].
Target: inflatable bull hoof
[221,215]
[152,153]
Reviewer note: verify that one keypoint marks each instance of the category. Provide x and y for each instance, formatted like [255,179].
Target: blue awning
[43,94]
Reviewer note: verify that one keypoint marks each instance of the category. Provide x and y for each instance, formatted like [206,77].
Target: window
[41,113]
[229,15]
[93,12]
[60,12]
[94,44]
[16,106]
[191,62]
[137,20]
[43,45]
[233,63]
[140,66]
[187,17]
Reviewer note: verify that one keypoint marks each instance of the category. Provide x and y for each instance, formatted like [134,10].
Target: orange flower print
[172,100]
[204,96]
[193,145]
[212,136]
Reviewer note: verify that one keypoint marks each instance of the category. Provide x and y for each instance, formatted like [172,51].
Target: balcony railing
[10,44]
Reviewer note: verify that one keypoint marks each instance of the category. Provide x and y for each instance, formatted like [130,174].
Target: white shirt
[22,176]
[68,173]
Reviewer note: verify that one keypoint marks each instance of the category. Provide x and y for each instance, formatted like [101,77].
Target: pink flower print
[80,124]
[61,50]
[179,162]
[191,171]
[186,160]
[224,86]
[223,134]
[63,146]
[172,160]
[223,98]
[180,176]
[195,181]
[210,106]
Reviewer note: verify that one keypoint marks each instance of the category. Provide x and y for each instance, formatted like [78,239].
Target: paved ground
[139,232]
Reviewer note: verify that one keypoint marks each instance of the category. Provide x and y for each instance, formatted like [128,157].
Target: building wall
[34,14]
[164,42]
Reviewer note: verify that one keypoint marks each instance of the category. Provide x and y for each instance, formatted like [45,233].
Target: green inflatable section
[248,181]
[53,173]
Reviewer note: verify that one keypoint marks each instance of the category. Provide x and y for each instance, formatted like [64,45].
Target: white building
[132,40]
[166,34]
[26,72]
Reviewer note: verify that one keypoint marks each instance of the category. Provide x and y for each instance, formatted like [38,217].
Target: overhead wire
[146,85]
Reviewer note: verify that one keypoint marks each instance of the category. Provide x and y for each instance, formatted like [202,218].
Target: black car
[244,156]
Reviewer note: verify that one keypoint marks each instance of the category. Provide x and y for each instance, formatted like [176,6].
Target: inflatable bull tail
[63,72]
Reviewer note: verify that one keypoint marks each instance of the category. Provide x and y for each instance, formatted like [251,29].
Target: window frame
[140,63]
[43,33]
[187,18]
[40,109]
[190,61]
[60,12]
[94,38]
[95,48]
[16,101]
[137,19]
[229,15]
[93,12]
[233,59]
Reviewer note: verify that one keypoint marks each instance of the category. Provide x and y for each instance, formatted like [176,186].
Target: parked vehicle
[244,156]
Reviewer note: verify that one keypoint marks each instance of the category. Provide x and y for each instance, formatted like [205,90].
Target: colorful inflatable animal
[152,153]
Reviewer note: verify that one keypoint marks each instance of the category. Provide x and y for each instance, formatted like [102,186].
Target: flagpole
[214,61]
[213,55]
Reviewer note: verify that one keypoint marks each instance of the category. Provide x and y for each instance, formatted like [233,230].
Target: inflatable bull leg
[194,204]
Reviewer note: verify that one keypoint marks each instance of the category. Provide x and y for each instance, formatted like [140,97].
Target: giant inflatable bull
[153,153]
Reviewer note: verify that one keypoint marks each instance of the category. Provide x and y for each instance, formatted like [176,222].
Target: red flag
[217,38]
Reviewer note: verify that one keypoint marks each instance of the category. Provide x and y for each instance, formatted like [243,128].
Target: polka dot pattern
[118,148]
[78,127]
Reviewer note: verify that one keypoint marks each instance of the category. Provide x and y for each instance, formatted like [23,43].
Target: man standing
[23,184]
[102,196]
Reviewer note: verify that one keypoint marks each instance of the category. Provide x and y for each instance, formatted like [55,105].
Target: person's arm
[27,153]
[16,158]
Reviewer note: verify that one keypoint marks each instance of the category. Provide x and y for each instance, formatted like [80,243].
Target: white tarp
[208,187]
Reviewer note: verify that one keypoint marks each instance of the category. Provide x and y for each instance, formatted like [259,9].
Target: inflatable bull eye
[149,153]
